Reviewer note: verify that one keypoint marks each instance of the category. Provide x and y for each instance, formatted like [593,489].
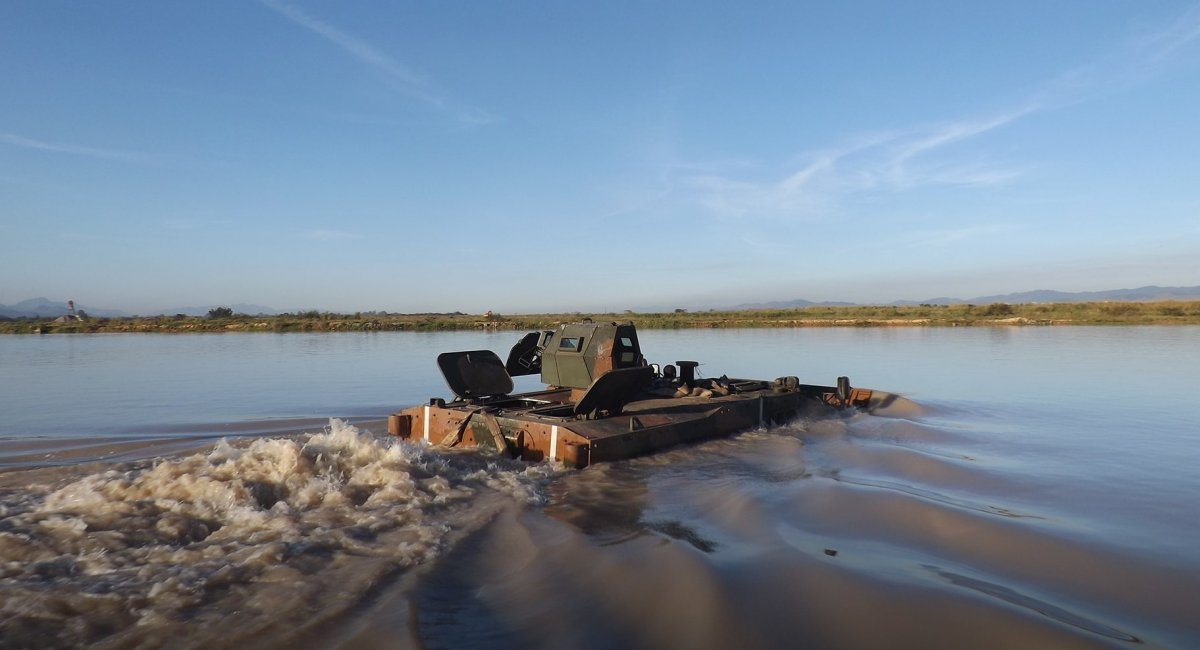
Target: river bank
[996,314]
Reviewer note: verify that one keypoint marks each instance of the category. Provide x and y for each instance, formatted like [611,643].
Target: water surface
[192,490]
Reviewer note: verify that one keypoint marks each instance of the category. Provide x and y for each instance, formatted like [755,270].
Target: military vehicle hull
[603,401]
[543,425]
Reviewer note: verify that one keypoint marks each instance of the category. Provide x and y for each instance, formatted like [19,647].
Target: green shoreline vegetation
[996,314]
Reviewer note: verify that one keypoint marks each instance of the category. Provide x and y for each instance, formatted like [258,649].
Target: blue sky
[522,157]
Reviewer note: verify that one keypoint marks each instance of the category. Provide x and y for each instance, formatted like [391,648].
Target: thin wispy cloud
[24,142]
[1166,43]
[882,162]
[950,133]
[1141,58]
[354,46]
[406,79]
[910,160]
[930,155]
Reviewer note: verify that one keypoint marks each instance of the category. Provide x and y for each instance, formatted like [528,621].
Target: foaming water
[268,537]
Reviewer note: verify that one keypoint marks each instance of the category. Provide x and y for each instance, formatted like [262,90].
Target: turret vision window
[574,344]
[627,352]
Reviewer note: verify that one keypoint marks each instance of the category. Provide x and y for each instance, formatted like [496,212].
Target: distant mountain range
[45,308]
[1141,294]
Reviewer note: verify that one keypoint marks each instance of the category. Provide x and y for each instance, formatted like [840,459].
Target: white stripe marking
[426,418]
[554,442]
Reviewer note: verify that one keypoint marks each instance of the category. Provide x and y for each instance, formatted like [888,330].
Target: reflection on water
[1040,493]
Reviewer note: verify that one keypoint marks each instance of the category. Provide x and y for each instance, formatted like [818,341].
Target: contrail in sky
[411,83]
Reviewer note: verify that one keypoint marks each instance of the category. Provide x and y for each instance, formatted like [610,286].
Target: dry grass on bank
[997,314]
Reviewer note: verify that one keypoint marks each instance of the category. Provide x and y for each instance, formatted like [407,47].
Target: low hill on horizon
[1141,294]
[46,308]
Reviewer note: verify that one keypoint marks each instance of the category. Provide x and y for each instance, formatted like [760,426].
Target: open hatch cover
[525,358]
[475,374]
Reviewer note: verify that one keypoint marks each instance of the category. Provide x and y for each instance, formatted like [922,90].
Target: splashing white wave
[154,543]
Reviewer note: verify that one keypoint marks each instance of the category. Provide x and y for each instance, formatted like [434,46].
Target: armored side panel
[580,352]
[563,362]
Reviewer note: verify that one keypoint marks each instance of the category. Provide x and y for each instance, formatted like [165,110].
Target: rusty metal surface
[644,425]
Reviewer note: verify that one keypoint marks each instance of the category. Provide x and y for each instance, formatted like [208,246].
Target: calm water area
[237,490]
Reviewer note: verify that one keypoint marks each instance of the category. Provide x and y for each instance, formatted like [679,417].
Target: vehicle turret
[578,353]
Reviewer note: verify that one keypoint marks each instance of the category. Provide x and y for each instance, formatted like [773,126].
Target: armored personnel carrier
[602,400]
